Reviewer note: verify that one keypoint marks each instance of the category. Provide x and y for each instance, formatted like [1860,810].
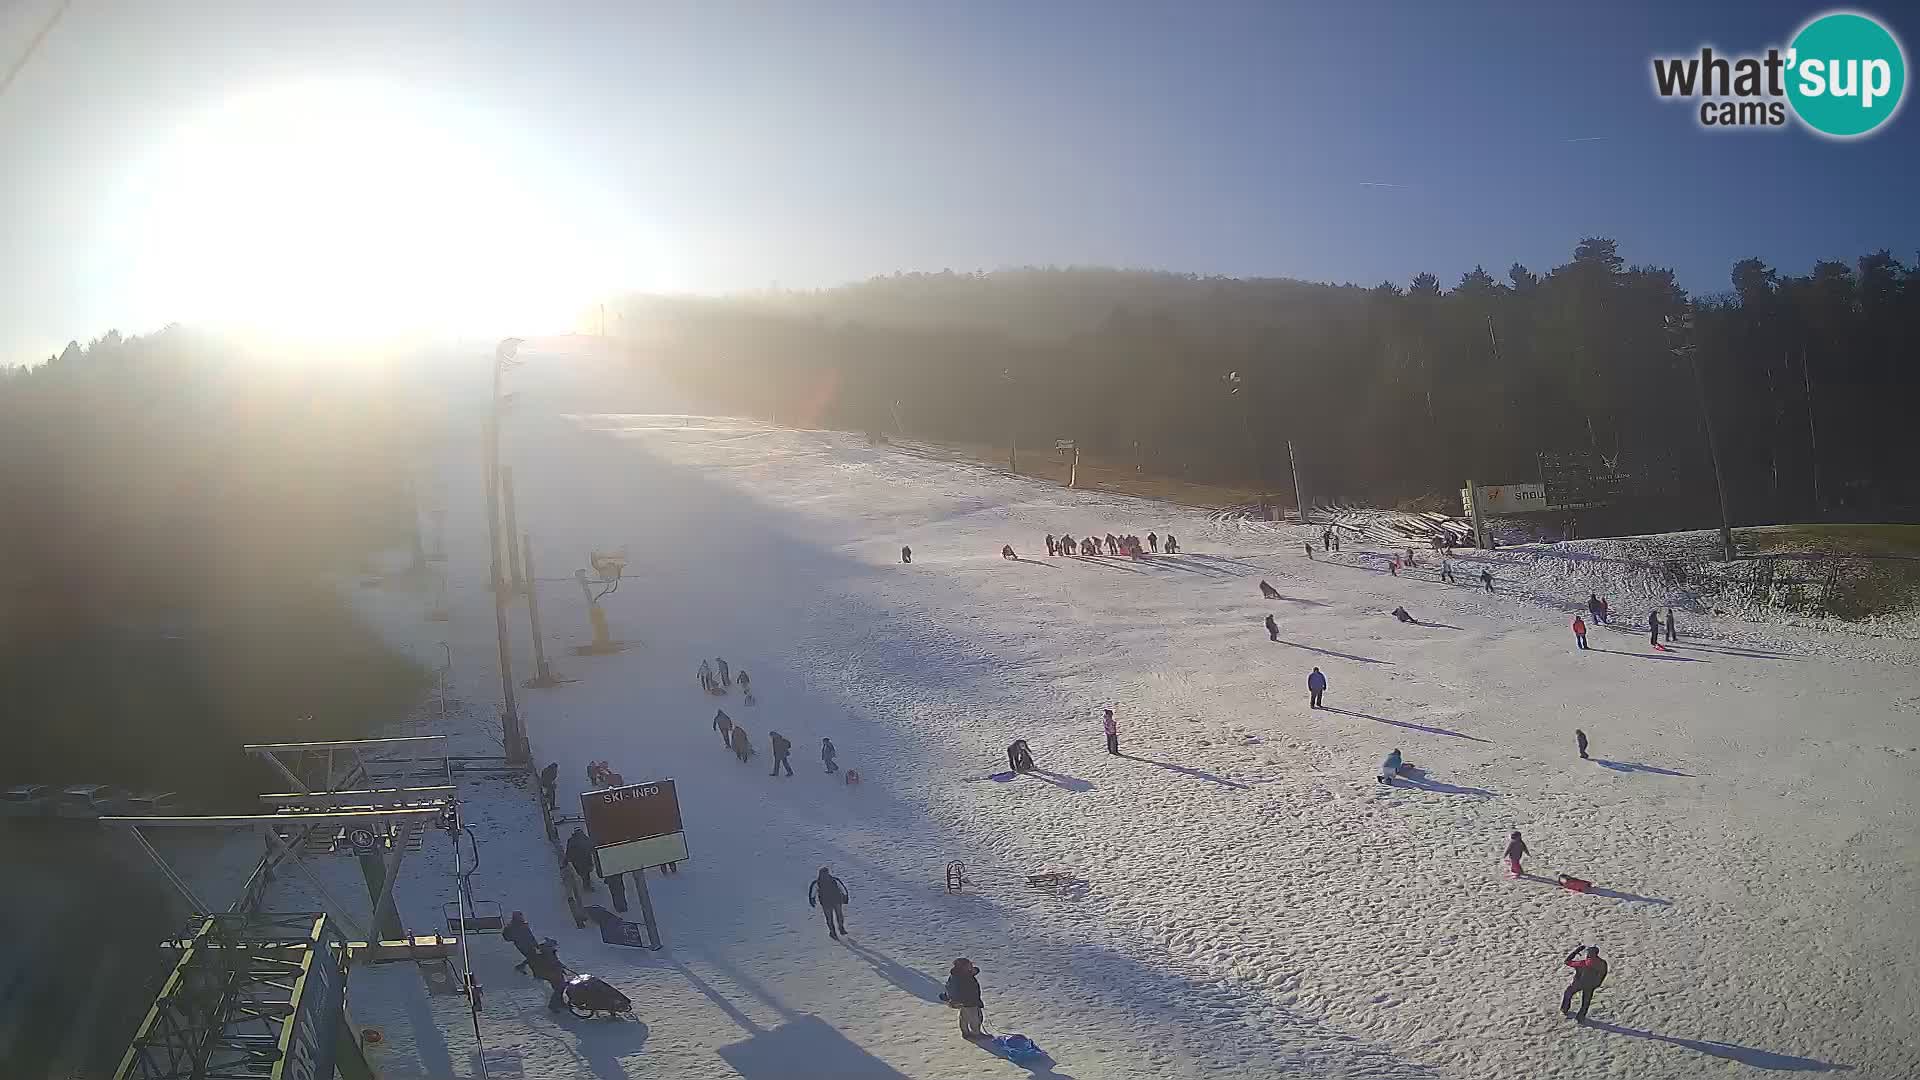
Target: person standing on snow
[1273,629]
[1393,567]
[1316,685]
[828,753]
[831,896]
[549,783]
[1588,973]
[1486,578]
[1066,544]
[1052,548]
[1390,767]
[1671,636]
[906,554]
[518,934]
[1113,733]
[546,966]
[706,676]
[726,680]
[723,724]
[781,748]
[1653,628]
[1173,545]
[1580,740]
[963,993]
[1308,544]
[746,684]
[1446,572]
[1593,607]
[580,856]
[742,747]
[1606,613]
[1153,541]
[1516,848]
[1580,631]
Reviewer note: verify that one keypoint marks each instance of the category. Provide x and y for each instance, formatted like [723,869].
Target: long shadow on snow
[1650,656]
[1199,774]
[1407,724]
[1746,1055]
[762,554]
[1634,766]
[1332,652]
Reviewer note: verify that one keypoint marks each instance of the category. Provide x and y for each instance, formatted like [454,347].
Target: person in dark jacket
[1112,731]
[1273,629]
[1401,614]
[1516,848]
[616,885]
[830,895]
[1486,578]
[828,753]
[518,934]
[545,964]
[1671,636]
[726,680]
[1173,545]
[1316,685]
[963,993]
[1580,740]
[1153,541]
[723,724]
[1019,756]
[742,746]
[746,684]
[1052,548]
[550,783]
[1653,628]
[580,857]
[1588,973]
[1066,544]
[1269,592]
[781,748]
[906,554]
[1308,545]
[1593,606]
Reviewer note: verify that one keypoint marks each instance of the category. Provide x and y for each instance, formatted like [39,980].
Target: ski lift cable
[463,903]
[33,46]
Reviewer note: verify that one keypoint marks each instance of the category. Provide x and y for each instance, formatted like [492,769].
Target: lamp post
[1680,344]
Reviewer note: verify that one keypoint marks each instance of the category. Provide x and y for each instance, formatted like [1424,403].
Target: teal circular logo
[1846,74]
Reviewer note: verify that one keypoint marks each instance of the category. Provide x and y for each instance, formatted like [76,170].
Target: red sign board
[635,826]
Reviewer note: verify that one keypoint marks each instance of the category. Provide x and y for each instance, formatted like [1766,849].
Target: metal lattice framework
[225,1008]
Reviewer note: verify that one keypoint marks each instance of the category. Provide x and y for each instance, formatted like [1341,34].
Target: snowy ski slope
[1250,902]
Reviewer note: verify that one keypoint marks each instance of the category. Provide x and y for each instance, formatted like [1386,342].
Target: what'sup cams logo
[1843,76]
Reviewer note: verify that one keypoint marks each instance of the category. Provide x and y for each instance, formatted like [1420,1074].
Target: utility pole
[542,677]
[513,732]
[1013,438]
[1680,331]
[1299,492]
[513,529]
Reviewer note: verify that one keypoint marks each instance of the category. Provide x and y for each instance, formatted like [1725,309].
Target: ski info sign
[635,826]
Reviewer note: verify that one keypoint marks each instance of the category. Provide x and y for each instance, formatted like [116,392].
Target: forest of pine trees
[1387,393]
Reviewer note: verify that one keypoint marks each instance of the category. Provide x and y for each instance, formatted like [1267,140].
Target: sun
[340,209]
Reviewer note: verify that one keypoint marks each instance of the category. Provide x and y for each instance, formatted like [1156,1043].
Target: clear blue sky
[811,144]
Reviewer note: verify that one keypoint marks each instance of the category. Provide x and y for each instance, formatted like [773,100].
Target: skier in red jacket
[1589,972]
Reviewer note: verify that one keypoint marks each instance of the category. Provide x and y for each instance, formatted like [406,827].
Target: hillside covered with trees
[177,508]
[1387,393]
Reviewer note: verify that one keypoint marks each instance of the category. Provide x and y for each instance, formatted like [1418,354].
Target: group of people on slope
[716,678]
[1111,545]
[1597,607]
[733,736]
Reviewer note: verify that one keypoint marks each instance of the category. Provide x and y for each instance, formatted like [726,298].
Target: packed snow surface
[1243,898]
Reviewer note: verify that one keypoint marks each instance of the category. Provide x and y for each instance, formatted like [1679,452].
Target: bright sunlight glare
[338,210]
